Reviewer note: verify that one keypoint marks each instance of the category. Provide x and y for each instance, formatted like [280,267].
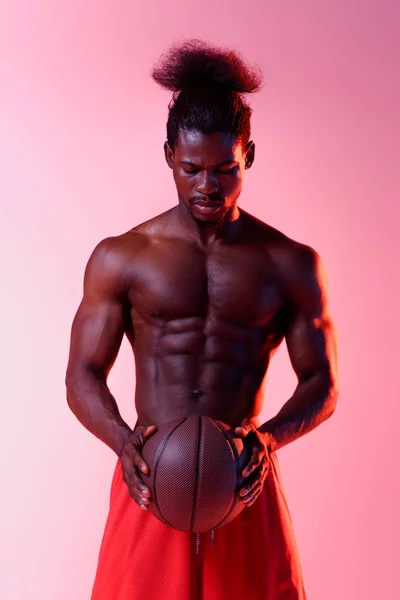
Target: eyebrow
[191,164]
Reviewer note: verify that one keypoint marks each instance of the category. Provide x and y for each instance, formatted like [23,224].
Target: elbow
[73,381]
[69,379]
[81,378]
[331,399]
[69,389]
[77,373]
[70,374]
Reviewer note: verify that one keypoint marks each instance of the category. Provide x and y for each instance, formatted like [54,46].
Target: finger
[142,488]
[248,504]
[246,489]
[136,484]
[141,433]
[139,491]
[150,430]
[143,436]
[247,465]
[257,478]
[134,459]
[255,461]
[139,461]
[253,494]
[140,503]
[243,429]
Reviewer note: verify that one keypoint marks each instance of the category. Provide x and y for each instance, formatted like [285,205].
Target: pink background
[82,128]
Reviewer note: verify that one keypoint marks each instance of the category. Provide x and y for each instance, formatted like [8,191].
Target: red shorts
[254,557]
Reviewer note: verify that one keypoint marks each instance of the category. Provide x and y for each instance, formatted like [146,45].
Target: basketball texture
[194,477]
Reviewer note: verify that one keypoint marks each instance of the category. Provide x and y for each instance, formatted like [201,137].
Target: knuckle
[137,459]
[132,457]
[134,486]
[254,487]
[137,442]
[137,479]
[138,437]
[136,494]
[130,453]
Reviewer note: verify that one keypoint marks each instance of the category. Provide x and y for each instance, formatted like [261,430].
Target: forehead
[207,149]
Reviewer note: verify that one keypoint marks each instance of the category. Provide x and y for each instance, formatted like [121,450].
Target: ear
[169,155]
[250,153]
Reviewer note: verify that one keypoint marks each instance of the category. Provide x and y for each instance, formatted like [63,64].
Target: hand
[132,461]
[258,465]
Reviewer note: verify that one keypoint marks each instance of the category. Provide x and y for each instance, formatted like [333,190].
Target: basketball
[194,477]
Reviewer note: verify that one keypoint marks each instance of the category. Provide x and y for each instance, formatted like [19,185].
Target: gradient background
[82,131]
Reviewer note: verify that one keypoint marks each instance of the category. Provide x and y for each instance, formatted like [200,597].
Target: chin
[207,218]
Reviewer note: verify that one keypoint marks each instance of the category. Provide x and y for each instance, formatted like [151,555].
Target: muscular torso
[203,322]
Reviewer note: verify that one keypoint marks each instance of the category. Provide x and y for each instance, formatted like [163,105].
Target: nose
[207,183]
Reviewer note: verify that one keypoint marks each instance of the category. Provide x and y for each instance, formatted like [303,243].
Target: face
[208,172]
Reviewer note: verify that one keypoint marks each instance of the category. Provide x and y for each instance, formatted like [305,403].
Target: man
[205,293]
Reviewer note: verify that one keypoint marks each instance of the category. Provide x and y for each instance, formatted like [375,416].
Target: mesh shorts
[254,557]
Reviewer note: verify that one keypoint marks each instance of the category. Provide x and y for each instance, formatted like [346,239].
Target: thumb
[150,430]
[243,429]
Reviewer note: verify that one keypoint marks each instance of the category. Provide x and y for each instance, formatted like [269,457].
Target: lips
[207,202]
[207,208]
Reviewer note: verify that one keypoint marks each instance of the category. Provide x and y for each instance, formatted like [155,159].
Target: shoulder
[304,276]
[113,259]
[107,269]
[299,259]
[298,265]
[293,258]
[110,253]
[113,252]
[157,225]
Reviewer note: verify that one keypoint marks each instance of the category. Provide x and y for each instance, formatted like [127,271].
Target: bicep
[310,332]
[98,326]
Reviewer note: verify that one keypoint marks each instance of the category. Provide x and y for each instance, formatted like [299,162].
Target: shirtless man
[205,293]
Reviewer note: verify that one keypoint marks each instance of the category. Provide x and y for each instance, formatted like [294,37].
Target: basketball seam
[236,455]
[196,482]
[160,450]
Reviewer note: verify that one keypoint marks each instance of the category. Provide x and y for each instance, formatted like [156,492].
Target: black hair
[208,83]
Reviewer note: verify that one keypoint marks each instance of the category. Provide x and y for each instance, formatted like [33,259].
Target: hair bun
[194,66]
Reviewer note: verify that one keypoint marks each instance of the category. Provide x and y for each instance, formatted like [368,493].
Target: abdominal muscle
[198,370]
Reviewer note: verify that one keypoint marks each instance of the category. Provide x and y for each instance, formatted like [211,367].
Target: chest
[176,280]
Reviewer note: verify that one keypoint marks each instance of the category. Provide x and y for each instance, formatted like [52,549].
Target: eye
[228,172]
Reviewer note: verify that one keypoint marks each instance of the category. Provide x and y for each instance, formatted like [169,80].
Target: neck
[207,233]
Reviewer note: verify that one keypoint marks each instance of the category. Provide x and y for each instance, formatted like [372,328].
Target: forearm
[312,403]
[95,407]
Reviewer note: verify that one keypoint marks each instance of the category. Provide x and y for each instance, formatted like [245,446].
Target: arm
[312,345]
[96,336]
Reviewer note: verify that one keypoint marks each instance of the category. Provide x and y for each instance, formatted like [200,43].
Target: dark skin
[205,295]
